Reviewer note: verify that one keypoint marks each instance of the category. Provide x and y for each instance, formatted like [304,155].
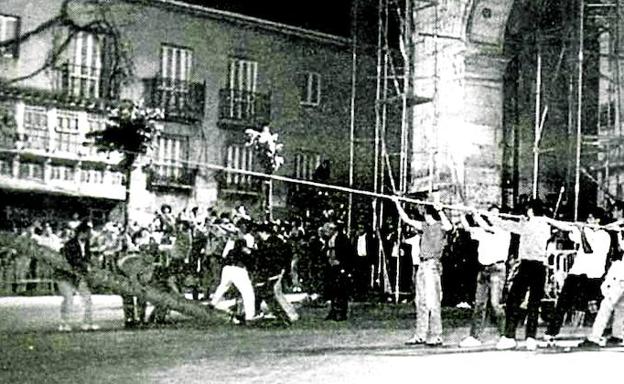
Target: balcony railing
[240,108]
[171,177]
[30,172]
[179,99]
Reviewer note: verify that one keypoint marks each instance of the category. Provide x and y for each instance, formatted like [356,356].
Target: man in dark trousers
[339,252]
[271,260]
[78,255]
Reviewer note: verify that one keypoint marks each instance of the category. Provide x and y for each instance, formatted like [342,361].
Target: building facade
[214,73]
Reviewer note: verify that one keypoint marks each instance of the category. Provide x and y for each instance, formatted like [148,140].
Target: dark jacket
[343,251]
[272,255]
[78,262]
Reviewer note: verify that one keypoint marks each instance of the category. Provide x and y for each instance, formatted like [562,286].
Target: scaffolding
[606,144]
[396,55]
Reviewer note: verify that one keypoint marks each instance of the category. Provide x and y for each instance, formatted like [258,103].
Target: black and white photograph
[345,191]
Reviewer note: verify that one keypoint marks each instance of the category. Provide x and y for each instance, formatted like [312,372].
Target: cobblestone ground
[366,349]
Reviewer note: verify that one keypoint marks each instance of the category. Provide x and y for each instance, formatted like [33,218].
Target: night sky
[330,16]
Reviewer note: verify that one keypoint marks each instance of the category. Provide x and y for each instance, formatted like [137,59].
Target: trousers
[429,300]
[239,277]
[67,289]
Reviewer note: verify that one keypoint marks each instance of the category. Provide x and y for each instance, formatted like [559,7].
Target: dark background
[329,16]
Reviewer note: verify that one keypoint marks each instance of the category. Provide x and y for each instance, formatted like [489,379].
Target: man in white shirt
[613,303]
[493,252]
[586,272]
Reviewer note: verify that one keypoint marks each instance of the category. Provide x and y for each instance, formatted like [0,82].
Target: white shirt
[616,272]
[414,242]
[493,246]
[361,245]
[591,264]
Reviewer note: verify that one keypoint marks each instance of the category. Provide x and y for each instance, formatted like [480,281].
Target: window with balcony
[67,134]
[36,133]
[81,74]
[239,157]
[9,30]
[310,89]
[239,102]
[171,166]
[305,165]
[172,90]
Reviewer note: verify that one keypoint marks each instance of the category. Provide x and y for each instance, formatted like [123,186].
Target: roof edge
[250,20]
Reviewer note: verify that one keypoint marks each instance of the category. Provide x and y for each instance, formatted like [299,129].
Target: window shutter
[16,43]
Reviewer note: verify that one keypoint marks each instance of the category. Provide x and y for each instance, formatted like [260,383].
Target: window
[238,157]
[305,165]
[62,172]
[36,133]
[82,74]
[92,176]
[9,30]
[311,89]
[95,123]
[173,152]
[6,167]
[176,63]
[607,115]
[66,131]
[28,170]
[241,84]
[175,72]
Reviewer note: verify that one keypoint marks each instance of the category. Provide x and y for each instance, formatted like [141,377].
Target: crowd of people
[595,275]
[208,252]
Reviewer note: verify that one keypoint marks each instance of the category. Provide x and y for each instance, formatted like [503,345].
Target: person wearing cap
[339,253]
[78,255]
[429,276]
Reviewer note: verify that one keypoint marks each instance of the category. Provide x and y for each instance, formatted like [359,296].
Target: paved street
[308,352]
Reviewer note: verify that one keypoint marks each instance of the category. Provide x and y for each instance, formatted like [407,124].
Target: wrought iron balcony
[179,99]
[171,177]
[238,108]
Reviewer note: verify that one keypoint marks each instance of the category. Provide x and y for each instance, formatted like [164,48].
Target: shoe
[589,344]
[257,317]
[415,341]
[531,344]
[550,340]
[506,343]
[614,342]
[89,327]
[434,343]
[470,342]
[64,328]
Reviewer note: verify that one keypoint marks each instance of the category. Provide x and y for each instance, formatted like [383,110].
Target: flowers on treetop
[267,149]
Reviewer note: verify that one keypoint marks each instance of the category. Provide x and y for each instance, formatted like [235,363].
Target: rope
[454,207]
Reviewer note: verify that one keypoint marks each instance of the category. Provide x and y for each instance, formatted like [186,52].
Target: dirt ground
[368,348]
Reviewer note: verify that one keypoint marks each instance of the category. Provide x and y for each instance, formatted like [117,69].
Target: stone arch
[487,21]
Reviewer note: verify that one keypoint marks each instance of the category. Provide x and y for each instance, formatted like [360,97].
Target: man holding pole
[429,275]
[493,252]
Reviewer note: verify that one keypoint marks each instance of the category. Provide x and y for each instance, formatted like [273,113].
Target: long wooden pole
[579,110]
[352,111]
[537,130]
